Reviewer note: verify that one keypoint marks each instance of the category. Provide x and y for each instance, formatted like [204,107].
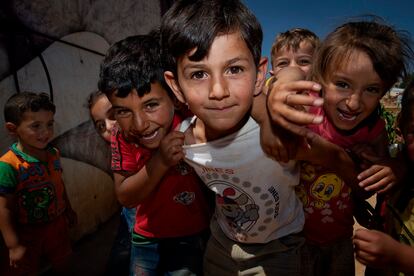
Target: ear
[260,75]
[175,87]
[11,128]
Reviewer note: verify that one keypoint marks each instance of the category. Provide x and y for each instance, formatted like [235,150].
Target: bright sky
[322,17]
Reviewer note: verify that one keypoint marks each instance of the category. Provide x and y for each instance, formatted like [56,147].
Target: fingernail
[318,102]
[317,86]
[317,120]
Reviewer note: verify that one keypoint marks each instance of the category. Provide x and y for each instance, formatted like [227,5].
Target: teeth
[149,136]
[347,117]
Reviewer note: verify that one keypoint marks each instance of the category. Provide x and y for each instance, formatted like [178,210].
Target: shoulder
[8,178]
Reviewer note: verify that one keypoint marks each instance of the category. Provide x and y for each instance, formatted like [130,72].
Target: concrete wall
[94,24]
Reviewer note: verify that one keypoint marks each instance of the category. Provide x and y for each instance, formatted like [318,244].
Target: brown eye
[100,126]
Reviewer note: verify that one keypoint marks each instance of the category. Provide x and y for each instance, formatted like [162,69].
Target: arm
[131,190]
[319,151]
[378,249]
[16,250]
[275,141]
[286,94]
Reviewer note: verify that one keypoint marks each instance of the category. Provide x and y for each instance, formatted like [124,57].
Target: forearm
[334,158]
[7,228]
[259,109]
[403,259]
[132,190]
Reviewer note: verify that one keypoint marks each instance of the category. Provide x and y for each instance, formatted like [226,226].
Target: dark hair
[388,49]
[22,102]
[191,24]
[406,112]
[291,39]
[132,63]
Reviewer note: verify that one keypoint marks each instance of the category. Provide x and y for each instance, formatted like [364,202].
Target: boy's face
[101,112]
[302,58]
[219,89]
[144,120]
[34,131]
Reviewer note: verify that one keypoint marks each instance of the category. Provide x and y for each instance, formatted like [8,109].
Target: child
[217,70]
[172,214]
[33,203]
[377,249]
[100,110]
[356,64]
[294,47]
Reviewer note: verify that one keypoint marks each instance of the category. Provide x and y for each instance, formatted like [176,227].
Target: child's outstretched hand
[16,254]
[378,175]
[171,148]
[285,96]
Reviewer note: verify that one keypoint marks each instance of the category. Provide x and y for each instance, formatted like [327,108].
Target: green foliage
[390,120]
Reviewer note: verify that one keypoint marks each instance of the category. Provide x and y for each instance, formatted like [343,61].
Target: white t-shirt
[255,196]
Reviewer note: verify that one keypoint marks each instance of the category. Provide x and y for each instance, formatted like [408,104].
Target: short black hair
[22,102]
[132,63]
[190,24]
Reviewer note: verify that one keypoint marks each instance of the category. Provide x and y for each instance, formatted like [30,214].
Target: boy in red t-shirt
[172,213]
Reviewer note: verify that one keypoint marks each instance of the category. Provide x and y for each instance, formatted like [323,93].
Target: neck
[203,133]
[40,154]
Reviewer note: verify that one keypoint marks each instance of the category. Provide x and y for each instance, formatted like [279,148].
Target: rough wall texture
[111,19]
[94,24]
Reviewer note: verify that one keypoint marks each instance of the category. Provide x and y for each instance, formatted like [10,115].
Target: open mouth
[345,116]
[149,136]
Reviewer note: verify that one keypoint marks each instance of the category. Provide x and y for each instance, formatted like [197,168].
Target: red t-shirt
[326,198]
[176,207]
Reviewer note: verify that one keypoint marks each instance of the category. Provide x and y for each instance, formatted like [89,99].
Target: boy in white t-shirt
[216,70]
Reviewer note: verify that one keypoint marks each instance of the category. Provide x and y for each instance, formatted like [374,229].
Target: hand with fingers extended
[378,173]
[171,148]
[287,101]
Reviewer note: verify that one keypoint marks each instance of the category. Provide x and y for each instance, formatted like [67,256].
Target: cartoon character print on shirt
[320,193]
[37,196]
[307,171]
[240,214]
[323,191]
[184,197]
[36,201]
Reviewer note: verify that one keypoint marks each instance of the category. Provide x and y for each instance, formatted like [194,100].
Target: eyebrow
[197,65]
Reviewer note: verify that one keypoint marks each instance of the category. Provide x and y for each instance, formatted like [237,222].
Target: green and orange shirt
[37,186]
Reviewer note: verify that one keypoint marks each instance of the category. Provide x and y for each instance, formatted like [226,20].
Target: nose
[293,63]
[109,124]
[219,89]
[141,122]
[353,101]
